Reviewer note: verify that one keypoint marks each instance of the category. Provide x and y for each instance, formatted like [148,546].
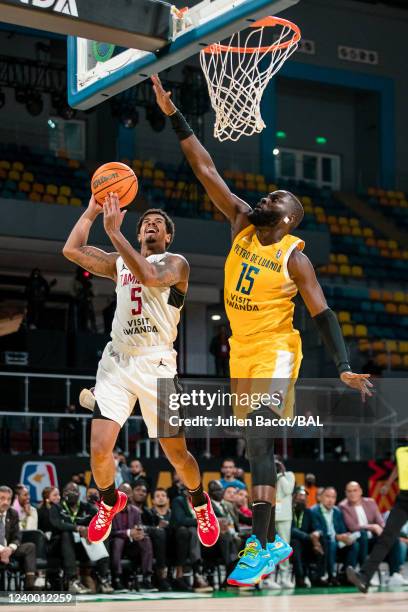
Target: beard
[261,217]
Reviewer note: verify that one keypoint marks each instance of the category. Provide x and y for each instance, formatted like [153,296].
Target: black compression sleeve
[180,126]
[330,331]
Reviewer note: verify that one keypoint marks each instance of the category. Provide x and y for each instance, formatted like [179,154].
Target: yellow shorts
[270,364]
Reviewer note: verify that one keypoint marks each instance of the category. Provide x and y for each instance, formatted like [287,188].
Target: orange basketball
[116,177]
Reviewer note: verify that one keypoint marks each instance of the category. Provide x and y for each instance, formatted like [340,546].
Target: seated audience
[70,519]
[10,541]
[228,475]
[187,545]
[176,488]
[338,543]
[283,515]
[129,540]
[229,541]
[361,515]
[27,514]
[305,540]
[311,488]
[50,495]
[93,496]
[156,527]
[137,475]
[243,510]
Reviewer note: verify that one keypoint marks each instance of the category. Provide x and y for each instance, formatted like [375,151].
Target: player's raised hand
[359,382]
[112,214]
[163,96]
[93,207]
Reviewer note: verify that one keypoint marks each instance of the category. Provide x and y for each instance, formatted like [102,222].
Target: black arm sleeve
[180,126]
[330,331]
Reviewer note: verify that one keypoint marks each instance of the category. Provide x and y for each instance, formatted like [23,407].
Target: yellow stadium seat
[333,258]
[364,345]
[368,232]
[357,271]
[382,360]
[391,346]
[34,196]
[344,316]
[392,244]
[52,190]
[38,188]
[148,163]
[345,270]
[332,219]
[403,309]
[403,346]
[18,165]
[356,231]
[28,176]
[159,183]
[348,330]
[399,296]
[345,230]
[391,308]
[405,361]
[396,360]
[14,175]
[147,172]
[334,229]
[48,199]
[332,269]
[354,222]
[308,209]
[375,295]
[343,221]
[65,190]
[361,331]
[370,242]
[159,174]
[272,187]
[73,163]
[378,345]
[24,186]
[5,164]
[321,218]
[386,296]
[75,201]
[342,259]
[62,200]
[306,200]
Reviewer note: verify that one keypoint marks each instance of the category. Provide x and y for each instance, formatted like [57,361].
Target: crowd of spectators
[153,544]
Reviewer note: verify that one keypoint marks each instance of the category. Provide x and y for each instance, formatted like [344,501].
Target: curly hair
[170,227]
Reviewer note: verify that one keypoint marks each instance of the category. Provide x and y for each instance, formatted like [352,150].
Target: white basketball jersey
[145,316]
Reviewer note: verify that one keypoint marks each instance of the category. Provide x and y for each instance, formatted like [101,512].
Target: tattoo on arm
[174,270]
[96,261]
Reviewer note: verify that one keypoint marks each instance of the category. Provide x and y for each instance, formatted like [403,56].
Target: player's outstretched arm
[199,159]
[302,273]
[91,258]
[173,271]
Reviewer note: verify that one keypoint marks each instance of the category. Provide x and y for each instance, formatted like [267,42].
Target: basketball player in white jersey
[150,287]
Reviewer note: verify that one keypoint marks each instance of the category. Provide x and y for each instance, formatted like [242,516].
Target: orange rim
[267,22]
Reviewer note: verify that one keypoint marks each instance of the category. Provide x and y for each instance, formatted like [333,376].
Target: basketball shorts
[266,364]
[126,374]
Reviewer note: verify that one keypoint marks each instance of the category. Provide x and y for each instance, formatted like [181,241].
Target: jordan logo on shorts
[162,364]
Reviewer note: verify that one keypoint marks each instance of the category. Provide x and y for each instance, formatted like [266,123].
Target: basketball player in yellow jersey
[264,270]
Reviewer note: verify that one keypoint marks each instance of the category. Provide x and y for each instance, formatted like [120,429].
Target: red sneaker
[208,528]
[100,526]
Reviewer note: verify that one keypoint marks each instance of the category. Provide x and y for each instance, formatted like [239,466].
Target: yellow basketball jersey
[402,463]
[258,291]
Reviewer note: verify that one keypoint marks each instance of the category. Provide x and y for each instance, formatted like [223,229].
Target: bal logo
[67,7]
[36,475]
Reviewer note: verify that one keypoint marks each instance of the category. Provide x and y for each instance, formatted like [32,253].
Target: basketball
[115,177]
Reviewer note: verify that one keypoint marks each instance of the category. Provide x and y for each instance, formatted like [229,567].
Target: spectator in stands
[240,474]
[137,474]
[156,526]
[10,540]
[243,509]
[129,540]
[283,514]
[83,294]
[70,432]
[228,476]
[337,541]
[27,514]
[318,495]
[122,471]
[361,515]
[79,479]
[92,496]
[311,488]
[305,540]
[229,540]
[70,520]
[187,545]
[176,488]
[36,292]
[219,348]
[50,495]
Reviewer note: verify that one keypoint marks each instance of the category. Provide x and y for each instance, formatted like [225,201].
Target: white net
[237,74]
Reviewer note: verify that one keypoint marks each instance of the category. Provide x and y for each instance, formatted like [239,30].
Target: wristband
[180,125]
[330,331]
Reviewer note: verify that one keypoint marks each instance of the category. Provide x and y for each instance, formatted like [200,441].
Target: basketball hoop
[237,74]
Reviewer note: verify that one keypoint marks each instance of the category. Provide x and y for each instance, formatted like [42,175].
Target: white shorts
[126,375]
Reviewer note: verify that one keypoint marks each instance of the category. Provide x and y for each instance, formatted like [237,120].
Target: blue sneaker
[255,563]
[279,550]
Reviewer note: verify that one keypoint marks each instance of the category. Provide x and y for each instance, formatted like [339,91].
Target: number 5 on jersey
[246,276]
[137,299]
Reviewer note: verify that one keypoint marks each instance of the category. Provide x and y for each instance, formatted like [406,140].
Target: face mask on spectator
[71,497]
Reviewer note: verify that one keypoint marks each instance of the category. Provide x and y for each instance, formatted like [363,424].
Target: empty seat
[348,330]
[361,331]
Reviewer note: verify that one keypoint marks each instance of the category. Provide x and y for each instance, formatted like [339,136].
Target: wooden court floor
[385,601]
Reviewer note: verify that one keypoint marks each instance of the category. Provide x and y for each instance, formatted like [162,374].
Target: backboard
[99,70]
